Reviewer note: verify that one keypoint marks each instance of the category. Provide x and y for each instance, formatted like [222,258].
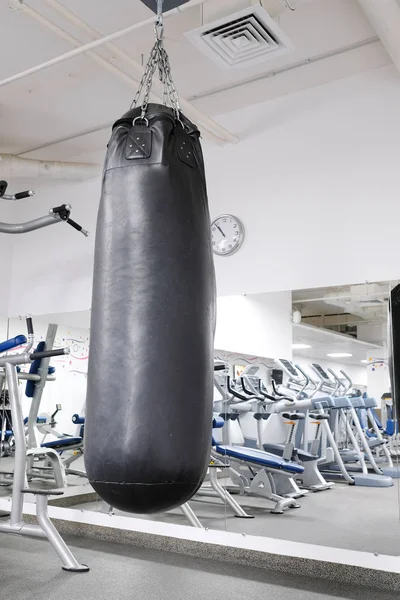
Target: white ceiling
[315,301]
[65,112]
[324,342]
[370,320]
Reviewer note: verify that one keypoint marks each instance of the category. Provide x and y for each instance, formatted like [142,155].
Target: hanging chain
[158,59]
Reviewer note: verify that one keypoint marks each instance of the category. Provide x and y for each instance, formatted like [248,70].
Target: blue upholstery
[342,402]
[321,403]
[38,420]
[258,457]
[34,369]
[62,443]
[12,343]
[218,422]
[35,366]
[370,402]
[78,420]
[357,402]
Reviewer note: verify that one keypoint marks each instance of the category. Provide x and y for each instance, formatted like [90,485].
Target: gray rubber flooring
[30,571]
[350,517]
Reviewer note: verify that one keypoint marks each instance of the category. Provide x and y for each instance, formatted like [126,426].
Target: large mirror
[310,389]
[54,413]
[304,442]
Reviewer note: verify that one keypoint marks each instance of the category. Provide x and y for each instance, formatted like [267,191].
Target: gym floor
[350,517]
[31,571]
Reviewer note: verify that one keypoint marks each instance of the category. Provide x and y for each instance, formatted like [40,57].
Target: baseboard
[347,566]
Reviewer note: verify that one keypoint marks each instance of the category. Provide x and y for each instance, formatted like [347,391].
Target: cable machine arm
[56,215]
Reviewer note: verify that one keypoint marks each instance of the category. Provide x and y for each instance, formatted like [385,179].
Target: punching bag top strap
[154,112]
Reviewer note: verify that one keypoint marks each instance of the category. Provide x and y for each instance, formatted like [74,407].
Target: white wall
[258,325]
[358,374]
[315,181]
[7,243]
[3,329]
[52,267]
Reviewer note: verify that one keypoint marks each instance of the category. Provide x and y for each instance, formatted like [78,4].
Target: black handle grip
[3,188]
[21,195]
[245,389]
[236,393]
[219,367]
[48,353]
[264,393]
[29,325]
[74,224]
[78,227]
[280,396]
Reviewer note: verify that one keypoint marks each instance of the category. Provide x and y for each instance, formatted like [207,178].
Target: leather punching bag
[150,377]
[394,349]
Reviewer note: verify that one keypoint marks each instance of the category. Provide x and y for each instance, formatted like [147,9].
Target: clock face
[227,234]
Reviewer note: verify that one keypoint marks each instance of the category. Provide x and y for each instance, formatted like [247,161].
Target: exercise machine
[15,523]
[58,214]
[250,470]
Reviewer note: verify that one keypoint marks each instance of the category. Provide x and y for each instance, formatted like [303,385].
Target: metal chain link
[158,59]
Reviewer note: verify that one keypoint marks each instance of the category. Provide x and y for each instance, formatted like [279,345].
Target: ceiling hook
[159,24]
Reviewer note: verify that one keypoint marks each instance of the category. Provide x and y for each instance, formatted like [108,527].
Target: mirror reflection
[303,433]
[309,431]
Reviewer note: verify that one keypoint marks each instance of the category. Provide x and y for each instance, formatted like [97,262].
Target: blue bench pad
[12,343]
[259,457]
[62,443]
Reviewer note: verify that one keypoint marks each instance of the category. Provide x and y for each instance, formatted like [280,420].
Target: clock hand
[221,230]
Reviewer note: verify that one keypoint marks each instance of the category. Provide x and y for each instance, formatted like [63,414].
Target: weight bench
[260,481]
[259,458]
[63,443]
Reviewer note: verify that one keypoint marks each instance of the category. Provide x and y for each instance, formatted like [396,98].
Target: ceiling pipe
[14,167]
[207,125]
[384,16]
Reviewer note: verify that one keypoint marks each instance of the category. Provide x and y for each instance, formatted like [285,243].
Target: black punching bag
[150,377]
[394,349]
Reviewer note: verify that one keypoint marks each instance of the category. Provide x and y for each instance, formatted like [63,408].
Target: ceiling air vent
[245,38]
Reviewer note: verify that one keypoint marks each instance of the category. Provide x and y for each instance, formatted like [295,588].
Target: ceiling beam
[207,125]
[22,168]
[384,16]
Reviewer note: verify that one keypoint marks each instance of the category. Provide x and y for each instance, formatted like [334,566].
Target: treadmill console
[322,373]
[289,368]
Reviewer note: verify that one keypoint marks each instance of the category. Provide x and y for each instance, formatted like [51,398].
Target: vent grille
[240,40]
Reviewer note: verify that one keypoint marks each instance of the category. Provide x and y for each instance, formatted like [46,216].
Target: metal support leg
[380,437]
[39,387]
[191,516]
[354,443]
[20,446]
[226,496]
[54,460]
[364,442]
[338,458]
[67,558]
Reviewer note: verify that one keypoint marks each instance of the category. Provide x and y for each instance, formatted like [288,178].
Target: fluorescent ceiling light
[300,346]
[365,361]
[340,355]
